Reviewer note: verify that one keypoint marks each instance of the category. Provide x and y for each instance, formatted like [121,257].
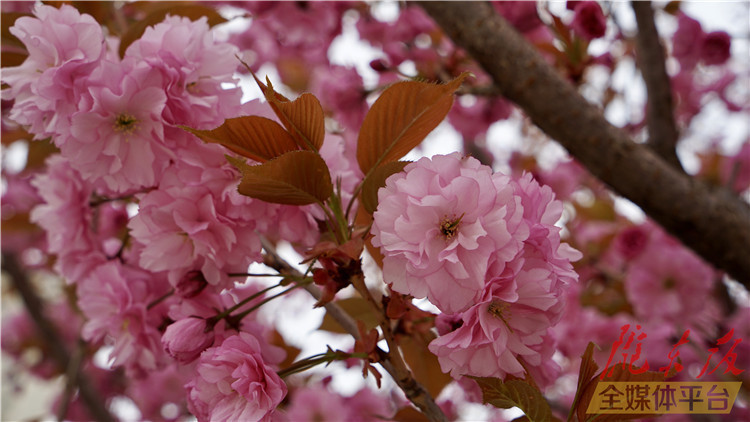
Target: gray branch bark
[712,221]
[49,334]
[662,129]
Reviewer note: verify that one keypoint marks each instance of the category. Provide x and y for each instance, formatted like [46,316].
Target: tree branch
[662,129]
[712,221]
[49,335]
[394,365]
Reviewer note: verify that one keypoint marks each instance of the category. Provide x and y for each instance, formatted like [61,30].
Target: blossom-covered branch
[712,221]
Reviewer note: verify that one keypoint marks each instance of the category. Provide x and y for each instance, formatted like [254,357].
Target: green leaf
[403,115]
[357,308]
[254,137]
[294,178]
[376,180]
[515,393]
[159,10]
[303,117]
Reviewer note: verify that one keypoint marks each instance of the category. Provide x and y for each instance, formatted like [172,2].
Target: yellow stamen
[125,123]
[497,309]
[449,227]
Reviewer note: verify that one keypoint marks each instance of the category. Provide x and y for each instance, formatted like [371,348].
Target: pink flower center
[449,226]
[125,123]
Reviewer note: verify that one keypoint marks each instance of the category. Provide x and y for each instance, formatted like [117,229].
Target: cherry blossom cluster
[115,121]
[144,222]
[485,250]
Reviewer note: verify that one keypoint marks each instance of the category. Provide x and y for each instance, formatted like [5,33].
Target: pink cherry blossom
[687,42]
[187,338]
[522,15]
[668,282]
[341,91]
[233,381]
[196,220]
[117,135]
[319,404]
[64,47]
[193,65]
[507,328]
[397,38]
[289,33]
[541,212]
[715,48]
[440,223]
[473,120]
[589,21]
[115,298]
[67,219]
[162,387]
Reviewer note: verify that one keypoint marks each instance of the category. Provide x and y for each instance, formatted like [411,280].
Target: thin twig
[662,128]
[414,391]
[49,335]
[71,379]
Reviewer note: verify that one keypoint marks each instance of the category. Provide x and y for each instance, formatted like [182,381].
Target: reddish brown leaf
[254,137]
[376,180]
[409,414]
[294,178]
[515,393]
[38,153]
[291,352]
[586,372]
[401,118]
[358,309]
[158,11]
[423,363]
[303,117]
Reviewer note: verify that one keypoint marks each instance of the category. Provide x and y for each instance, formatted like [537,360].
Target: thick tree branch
[662,129]
[49,335]
[712,221]
[393,364]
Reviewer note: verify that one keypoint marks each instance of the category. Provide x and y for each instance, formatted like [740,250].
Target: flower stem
[315,360]
[238,317]
[160,299]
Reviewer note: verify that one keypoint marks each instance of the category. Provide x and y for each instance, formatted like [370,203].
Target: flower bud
[589,21]
[716,48]
[187,338]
